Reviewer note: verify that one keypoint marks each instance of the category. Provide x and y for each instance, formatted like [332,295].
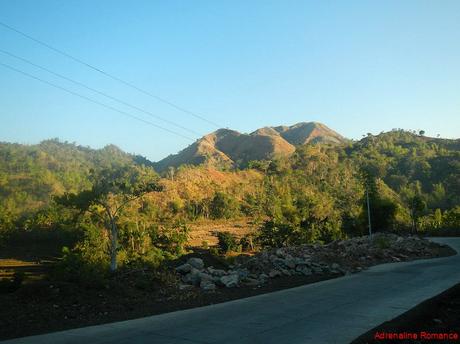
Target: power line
[99,92]
[95,101]
[126,83]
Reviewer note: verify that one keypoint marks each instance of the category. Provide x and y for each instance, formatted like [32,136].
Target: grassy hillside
[413,182]
[229,148]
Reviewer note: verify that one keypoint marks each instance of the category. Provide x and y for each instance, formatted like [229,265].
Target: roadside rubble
[336,258]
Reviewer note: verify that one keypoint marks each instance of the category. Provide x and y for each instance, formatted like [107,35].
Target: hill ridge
[230,148]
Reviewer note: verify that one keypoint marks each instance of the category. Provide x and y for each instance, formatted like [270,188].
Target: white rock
[217,272]
[230,281]
[184,268]
[207,285]
[303,270]
[197,263]
[185,286]
[193,277]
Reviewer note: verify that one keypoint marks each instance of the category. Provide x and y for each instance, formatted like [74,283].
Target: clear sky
[356,66]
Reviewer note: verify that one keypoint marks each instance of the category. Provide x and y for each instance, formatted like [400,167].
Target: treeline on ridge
[318,194]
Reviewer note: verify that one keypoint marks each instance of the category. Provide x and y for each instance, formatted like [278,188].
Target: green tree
[112,190]
[417,207]
[223,206]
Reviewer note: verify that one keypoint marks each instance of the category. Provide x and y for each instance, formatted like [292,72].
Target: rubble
[336,258]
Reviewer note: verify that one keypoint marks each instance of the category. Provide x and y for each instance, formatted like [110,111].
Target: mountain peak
[230,148]
[309,132]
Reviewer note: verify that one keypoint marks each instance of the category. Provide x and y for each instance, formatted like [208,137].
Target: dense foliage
[318,194]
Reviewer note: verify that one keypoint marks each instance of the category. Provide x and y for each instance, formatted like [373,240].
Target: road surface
[333,311]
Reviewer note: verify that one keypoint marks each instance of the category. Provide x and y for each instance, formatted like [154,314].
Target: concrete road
[333,311]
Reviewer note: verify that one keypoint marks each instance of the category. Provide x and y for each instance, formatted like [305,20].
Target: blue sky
[357,66]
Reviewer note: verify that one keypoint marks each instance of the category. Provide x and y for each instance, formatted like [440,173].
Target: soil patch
[46,307]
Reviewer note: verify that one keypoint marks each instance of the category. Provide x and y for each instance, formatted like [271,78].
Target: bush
[214,251]
[451,219]
[152,258]
[74,268]
[227,242]
[247,242]
[171,239]
[224,206]
[275,234]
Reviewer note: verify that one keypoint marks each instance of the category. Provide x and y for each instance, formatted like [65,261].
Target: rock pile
[194,273]
[336,258]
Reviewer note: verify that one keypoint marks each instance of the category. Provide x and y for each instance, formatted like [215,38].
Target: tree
[370,185]
[223,206]
[112,190]
[417,207]
[379,207]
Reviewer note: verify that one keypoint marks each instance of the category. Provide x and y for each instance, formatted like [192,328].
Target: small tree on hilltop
[112,190]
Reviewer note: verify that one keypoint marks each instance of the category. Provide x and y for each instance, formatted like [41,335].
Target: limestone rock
[230,281]
[197,263]
[207,285]
[193,277]
[184,268]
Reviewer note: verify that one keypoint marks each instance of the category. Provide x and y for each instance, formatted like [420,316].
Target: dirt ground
[30,254]
[44,306]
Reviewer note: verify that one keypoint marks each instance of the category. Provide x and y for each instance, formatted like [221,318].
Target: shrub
[451,219]
[227,242]
[214,251]
[171,239]
[224,206]
[275,234]
[247,242]
[152,258]
[74,268]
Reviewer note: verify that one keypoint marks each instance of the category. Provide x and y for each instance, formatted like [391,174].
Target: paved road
[333,311]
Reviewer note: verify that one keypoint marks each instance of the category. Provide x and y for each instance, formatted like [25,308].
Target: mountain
[408,164]
[311,132]
[229,148]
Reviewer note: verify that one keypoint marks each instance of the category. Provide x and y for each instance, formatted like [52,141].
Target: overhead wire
[95,101]
[111,76]
[98,92]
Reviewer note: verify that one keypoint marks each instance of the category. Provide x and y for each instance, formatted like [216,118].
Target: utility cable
[126,83]
[99,92]
[95,101]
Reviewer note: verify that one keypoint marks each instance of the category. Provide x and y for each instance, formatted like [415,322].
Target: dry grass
[205,230]
[33,271]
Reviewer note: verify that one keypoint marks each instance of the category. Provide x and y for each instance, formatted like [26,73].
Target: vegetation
[227,242]
[121,213]
[112,190]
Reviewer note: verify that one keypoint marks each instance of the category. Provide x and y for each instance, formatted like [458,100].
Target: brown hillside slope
[309,132]
[229,148]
